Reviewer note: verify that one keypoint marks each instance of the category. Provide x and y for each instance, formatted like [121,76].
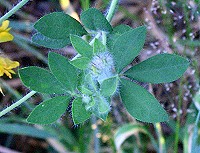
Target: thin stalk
[111,10]
[178,120]
[19,102]
[197,119]
[14,93]
[161,139]
[104,38]
[96,37]
[13,10]
[109,17]
[96,140]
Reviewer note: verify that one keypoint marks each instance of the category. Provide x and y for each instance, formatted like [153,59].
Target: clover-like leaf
[49,111]
[159,69]
[117,31]
[93,19]
[109,86]
[79,113]
[44,41]
[80,62]
[41,80]
[101,107]
[127,47]
[59,25]
[141,104]
[81,46]
[63,70]
[98,47]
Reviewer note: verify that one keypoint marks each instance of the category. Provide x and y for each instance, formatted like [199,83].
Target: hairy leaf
[44,41]
[109,86]
[80,62]
[63,70]
[59,25]
[127,47]
[40,80]
[117,31]
[81,46]
[141,104]
[93,19]
[49,111]
[159,69]
[79,113]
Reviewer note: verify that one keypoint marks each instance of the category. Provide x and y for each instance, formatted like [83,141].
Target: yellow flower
[4,32]
[67,8]
[64,4]
[6,66]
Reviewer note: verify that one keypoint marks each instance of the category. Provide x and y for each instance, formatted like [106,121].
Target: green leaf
[117,31]
[93,19]
[127,47]
[63,70]
[49,111]
[98,46]
[40,80]
[159,69]
[81,46]
[79,113]
[80,62]
[27,130]
[101,108]
[109,86]
[44,41]
[141,104]
[59,25]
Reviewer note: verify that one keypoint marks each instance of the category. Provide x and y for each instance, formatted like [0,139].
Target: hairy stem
[19,102]
[13,10]
[109,17]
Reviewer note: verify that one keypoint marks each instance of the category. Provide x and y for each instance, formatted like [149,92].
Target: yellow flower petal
[6,66]
[8,74]
[7,30]
[1,70]
[10,64]
[64,4]
[5,36]
[11,71]
[4,25]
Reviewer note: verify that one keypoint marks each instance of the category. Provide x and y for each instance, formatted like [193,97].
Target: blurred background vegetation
[173,27]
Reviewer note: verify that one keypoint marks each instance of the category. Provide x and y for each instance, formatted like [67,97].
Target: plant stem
[104,38]
[109,17]
[111,10]
[161,140]
[197,119]
[96,37]
[178,118]
[96,140]
[13,10]
[19,102]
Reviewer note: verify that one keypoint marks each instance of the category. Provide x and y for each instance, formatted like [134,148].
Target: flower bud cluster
[100,69]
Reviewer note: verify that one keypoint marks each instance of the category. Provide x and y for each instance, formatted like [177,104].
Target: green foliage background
[178,27]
